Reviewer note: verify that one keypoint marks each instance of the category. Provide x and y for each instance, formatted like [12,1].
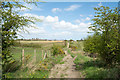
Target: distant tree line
[33,39]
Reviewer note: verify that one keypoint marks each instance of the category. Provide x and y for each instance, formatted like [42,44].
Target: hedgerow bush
[92,44]
[106,38]
[56,49]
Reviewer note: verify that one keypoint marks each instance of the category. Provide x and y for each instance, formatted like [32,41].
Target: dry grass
[38,44]
[39,41]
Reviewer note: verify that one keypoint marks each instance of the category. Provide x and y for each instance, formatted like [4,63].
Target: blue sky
[62,20]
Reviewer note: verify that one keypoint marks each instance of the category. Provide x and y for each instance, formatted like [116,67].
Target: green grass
[49,62]
[62,62]
[24,73]
[94,69]
[17,53]
[79,45]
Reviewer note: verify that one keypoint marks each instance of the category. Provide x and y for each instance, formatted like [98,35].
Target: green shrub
[57,50]
[107,42]
[12,66]
[106,50]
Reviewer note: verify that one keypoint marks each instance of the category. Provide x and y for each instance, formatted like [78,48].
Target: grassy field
[38,44]
[17,53]
[30,46]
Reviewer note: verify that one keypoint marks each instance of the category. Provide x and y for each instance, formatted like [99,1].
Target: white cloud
[90,15]
[72,7]
[81,15]
[51,19]
[87,18]
[63,25]
[56,9]
[47,19]
[64,33]
[83,27]
[58,29]
[36,30]
[77,21]
[100,4]
[33,29]
[55,24]
[32,15]
[82,20]
[31,7]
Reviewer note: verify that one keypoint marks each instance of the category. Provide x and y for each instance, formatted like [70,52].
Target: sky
[61,20]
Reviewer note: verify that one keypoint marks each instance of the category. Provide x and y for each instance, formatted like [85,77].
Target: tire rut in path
[65,70]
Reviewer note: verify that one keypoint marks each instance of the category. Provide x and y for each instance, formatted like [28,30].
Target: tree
[106,25]
[11,23]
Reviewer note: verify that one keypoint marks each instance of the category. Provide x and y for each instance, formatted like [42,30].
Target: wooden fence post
[42,54]
[35,54]
[23,57]
[49,53]
[68,45]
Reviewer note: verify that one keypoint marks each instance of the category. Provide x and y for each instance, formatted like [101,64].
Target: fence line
[35,55]
[42,54]
[23,57]
[67,44]
[47,54]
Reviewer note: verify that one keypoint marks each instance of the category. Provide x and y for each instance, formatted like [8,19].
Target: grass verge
[94,68]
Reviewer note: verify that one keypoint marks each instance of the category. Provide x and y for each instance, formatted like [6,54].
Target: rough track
[65,70]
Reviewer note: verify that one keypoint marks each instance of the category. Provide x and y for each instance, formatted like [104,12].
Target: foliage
[105,41]
[92,44]
[73,48]
[94,68]
[57,50]
[71,40]
[12,22]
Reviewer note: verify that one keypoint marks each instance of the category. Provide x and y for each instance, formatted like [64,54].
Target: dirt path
[65,70]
